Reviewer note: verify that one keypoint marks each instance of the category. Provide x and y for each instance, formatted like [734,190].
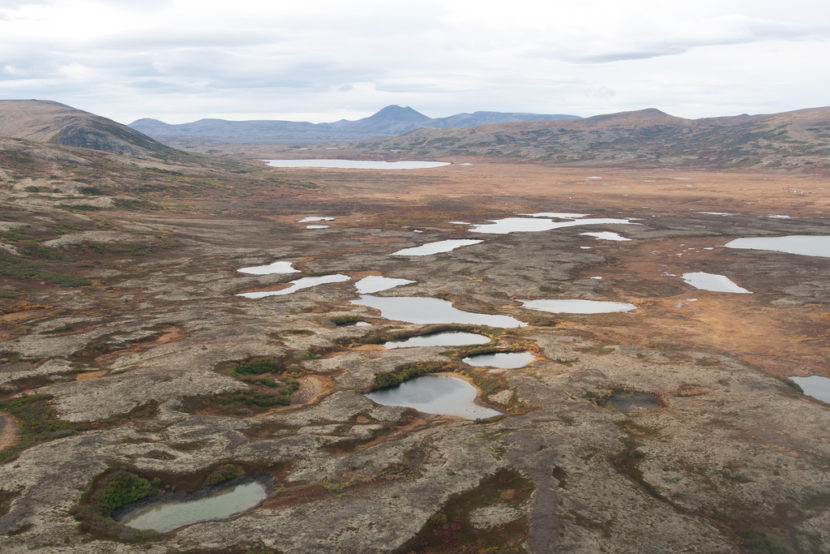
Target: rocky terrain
[131,369]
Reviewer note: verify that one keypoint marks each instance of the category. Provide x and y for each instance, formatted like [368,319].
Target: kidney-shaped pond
[450,338]
[435,394]
[163,516]
[503,360]
[416,309]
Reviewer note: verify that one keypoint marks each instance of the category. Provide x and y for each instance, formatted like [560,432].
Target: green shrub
[345,320]
[257,367]
[122,489]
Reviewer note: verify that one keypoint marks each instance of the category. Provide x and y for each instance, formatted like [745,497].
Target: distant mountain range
[797,140]
[390,121]
[789,141]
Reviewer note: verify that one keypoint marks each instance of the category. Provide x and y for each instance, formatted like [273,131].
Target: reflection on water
[166,516]
[299,284]
[376,283]
[504,360]
[435,394]
[416,309]
[712,282]
[451,338]
[534,224]
[356,164]
[270,269]
[815,386]
[435,247]
[577,306]
[805,245]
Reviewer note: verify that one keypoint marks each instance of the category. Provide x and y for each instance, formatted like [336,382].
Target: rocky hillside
[390,121]
[46,121]
[791,140]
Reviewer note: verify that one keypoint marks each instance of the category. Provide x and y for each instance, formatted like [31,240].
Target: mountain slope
[390,121]
[790,140]
[52,122]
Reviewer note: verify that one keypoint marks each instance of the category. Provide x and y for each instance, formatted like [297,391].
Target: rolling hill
[51,122]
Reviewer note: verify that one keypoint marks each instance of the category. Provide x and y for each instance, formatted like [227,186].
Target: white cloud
[181,60]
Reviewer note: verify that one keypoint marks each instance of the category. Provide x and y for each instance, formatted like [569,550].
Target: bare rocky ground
[129,370]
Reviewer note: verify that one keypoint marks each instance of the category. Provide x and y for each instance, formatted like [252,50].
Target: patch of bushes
[37,422]
[256,367]
[122,489]
[15,267]
[224,472]
[345,320]
[401,374]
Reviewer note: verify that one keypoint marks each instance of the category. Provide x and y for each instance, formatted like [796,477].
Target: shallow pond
[435,247]
[535,224]
[712,282]
[504,360]
[270,269]
[299,284]
[805,245]
[577,306]
[356,164]
[606,235]
[816,386]
[632,401]
[416,309]
[316,226]
[435,394]
[557,215]
[166,516]
[450,338]
[376,283]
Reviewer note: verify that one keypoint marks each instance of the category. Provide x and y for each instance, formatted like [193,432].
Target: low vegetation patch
[345,320]
[404,373]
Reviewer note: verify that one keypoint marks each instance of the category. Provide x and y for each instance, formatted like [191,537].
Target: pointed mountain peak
[397,113]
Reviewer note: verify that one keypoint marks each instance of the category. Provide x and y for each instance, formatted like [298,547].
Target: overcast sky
[323,60]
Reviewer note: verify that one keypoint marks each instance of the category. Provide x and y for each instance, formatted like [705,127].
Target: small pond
[356,164]
[435,247]
[503,360]
[270,269]
[435,394]
[713,282]
[557,215]
[805,245]
[417,309]
[534,224]
[632,401]
[577,306]
[316,226]
[376,283]
[299,284]
[450,338]
[163,516]
[606,235]
[816,386]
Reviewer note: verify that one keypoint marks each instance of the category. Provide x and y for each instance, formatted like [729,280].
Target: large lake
[356,164]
